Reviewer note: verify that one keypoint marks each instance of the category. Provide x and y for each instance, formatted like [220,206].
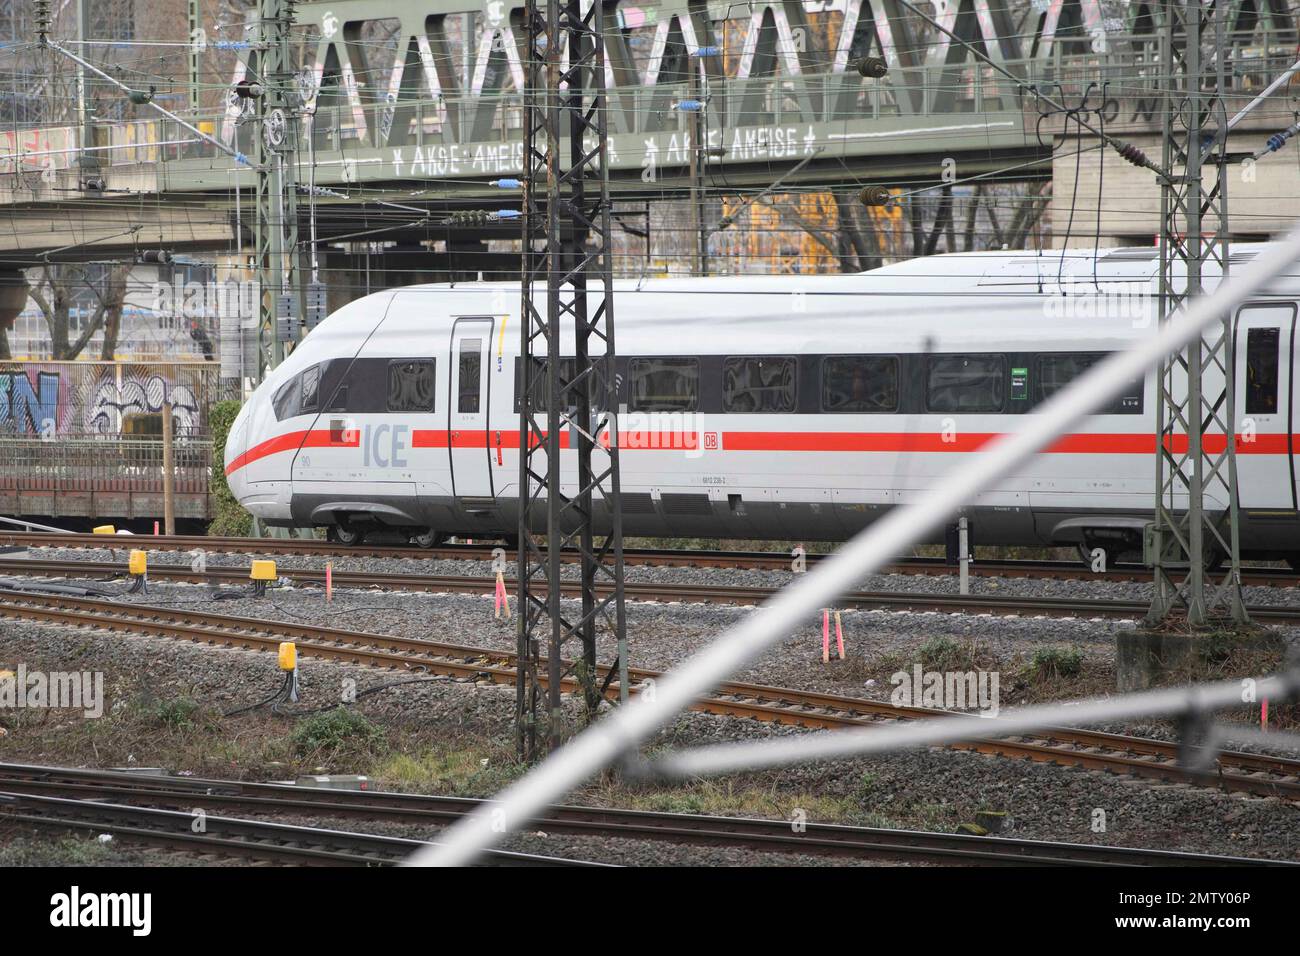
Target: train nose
[235,453]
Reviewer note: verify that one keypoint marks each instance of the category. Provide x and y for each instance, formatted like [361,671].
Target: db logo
[710,441]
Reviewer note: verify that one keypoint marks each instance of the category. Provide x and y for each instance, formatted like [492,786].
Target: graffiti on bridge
[65,399]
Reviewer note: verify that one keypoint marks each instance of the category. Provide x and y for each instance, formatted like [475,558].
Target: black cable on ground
[279,695]
[361,607]
[365,693]
[76,590]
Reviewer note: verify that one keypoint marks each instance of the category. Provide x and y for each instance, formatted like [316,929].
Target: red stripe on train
[1125,443]
[292,441]
[472,438]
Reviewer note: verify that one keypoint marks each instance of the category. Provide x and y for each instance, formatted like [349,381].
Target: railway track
[186,793]
[745,560]
[1003,604]
[1255,774]
[221,835]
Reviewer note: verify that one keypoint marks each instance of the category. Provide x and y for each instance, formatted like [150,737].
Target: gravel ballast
[932,788]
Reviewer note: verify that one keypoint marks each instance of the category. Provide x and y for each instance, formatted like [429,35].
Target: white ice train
[782,407]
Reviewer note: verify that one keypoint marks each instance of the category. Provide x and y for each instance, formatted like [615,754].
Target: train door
[1263,350]
[467,409]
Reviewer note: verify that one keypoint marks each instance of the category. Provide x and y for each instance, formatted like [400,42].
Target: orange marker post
[329,581]
[1263,715]
[839,635]
[502,599]
[826,636]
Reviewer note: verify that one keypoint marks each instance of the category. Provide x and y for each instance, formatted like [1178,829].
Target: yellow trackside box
[138,563]
[262,571]
[288,656]
[105,529]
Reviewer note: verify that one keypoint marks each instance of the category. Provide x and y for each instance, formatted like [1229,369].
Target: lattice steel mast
[275,238]
[1196,464]
[567,290]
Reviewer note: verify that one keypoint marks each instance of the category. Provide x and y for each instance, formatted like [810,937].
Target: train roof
[969,271]
[961,302]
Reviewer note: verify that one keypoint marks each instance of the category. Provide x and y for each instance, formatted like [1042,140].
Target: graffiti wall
[37,150]
[103,399]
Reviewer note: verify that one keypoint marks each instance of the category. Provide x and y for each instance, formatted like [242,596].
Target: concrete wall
[1259,205]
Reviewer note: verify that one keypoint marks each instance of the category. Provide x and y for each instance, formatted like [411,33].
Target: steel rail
[897,601]
[1088,749]
[767,835]
[257,839]
[656,557]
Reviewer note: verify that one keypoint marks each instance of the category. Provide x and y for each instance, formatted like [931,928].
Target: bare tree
[852,236]
[928,245]
[113,299]
[1029,211]
[859,237]
[56,293]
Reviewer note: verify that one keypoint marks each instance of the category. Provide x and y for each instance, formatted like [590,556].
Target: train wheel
[428,539]
[345,535]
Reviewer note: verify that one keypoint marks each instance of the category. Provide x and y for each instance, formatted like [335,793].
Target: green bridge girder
[422,115]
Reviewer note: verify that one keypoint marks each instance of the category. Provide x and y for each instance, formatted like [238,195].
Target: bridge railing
[102,463]
[438,127]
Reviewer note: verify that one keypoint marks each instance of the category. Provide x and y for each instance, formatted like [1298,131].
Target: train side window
[337,380]
[860,383]
[664,384]
[467,400]
[758,384]
[410,385]
[1261,371]
[965,383]
[1055,372]
[310,390]
[285,400]
[568,368]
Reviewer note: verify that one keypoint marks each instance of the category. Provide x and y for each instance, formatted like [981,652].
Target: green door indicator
[1019,384]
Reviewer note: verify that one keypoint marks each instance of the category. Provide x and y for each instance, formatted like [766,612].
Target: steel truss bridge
[423,98]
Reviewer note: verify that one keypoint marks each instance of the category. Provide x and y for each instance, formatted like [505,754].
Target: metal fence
[103,464]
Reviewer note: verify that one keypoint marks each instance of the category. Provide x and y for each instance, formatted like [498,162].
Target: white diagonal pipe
[236,154]
[838,744]
[1241,115]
